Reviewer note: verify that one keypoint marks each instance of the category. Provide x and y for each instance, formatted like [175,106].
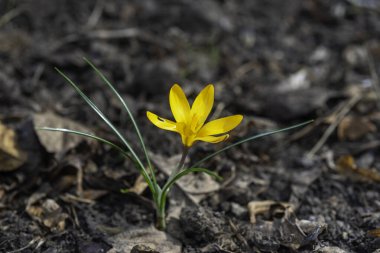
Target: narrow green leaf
[64,130]
[104,118]
[104,78]
[249,139]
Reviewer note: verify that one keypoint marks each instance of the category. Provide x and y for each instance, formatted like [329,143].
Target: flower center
[187,132]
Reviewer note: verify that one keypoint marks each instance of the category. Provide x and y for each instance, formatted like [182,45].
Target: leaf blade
[126,107]
[70,131]
[104,118]
[249,139]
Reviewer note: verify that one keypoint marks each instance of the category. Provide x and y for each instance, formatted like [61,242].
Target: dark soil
[276,62]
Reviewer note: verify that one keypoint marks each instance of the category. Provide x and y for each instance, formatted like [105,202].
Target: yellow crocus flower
[190,121]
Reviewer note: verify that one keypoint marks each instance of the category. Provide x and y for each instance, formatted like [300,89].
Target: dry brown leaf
[65,182]
[265,207]
[70,198]
[11,157]
[353,128]
[47,212]
[149,237]
[93,194]
[374,232]
[193,187]
[57,141]
[347,166]
[288,230]
[196,185]
[139,186]
[346,162]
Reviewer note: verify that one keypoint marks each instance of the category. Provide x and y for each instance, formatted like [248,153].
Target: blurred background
[282,60]
[276,62]
[276,59]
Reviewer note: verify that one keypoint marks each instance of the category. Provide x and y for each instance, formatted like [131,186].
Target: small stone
[238,210]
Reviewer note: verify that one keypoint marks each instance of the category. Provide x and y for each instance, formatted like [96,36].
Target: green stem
[161,200]
[161,218]
[181,163]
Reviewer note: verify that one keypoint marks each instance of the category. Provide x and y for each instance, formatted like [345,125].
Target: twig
[37,239]
[339,117]
[76,220]
[95,15]
[238,235]
[309,128]
[80,182]
[70,198]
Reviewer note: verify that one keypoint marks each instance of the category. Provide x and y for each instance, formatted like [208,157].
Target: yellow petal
[188,140]
[201,107]
[220,126]
[213,139]
[161,122]
[179,105]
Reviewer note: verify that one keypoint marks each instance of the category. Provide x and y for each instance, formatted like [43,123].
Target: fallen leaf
[11,156]
[93,194]
[353,128]
[295,233]
[266,207]
[55,142]
[148,237]
[374,232]
[346,165]
[195,185]
[139,186]
[282,225]
[47,212]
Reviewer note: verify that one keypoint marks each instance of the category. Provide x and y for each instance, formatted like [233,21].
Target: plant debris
[11,156]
